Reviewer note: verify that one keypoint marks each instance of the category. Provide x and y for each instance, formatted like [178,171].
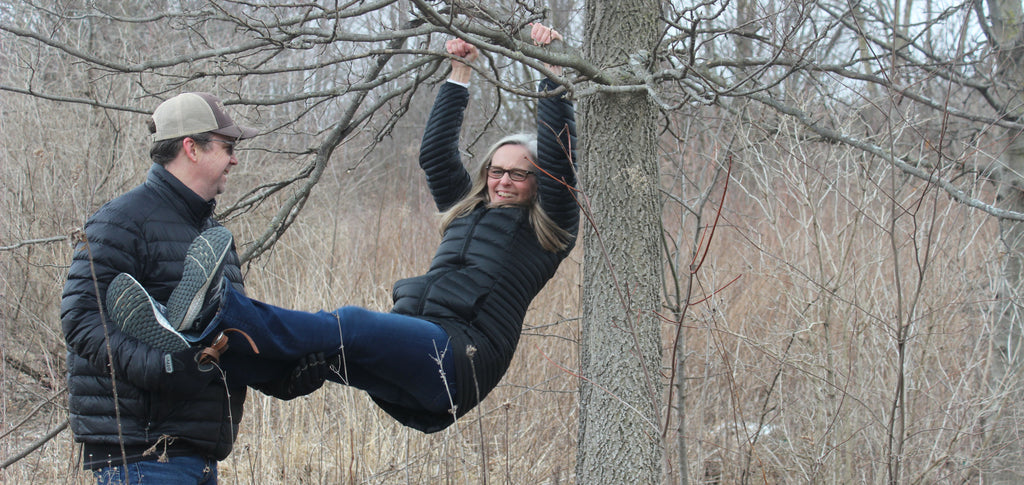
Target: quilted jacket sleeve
[448,180]
[113,242]
[556,153]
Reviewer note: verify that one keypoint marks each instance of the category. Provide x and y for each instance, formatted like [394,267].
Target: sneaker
[198,292]
[132,309]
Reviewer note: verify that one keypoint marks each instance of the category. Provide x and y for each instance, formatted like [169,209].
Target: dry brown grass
[795,367]
[337,435]
[344,251]
[792,370]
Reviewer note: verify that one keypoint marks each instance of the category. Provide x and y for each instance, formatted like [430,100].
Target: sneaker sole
[203,260]
[130,306]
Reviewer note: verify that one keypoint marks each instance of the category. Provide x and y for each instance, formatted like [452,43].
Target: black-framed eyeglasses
[229,145]
[515,174]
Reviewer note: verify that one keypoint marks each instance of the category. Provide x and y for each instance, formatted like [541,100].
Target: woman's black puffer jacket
[490,264]
[146,233]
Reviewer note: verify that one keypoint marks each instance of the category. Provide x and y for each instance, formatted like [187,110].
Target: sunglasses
[229,145]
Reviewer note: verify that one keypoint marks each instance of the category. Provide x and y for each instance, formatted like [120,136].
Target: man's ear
[190,148]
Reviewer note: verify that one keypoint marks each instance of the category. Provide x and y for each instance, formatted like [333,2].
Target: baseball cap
[192,113]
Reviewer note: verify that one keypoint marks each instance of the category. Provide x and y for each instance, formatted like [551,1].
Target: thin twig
[29,242]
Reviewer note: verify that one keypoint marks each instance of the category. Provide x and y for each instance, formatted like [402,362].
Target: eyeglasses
[515,174]
[228,144]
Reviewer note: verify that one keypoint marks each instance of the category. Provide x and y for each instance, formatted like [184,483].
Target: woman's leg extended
[396,358]
[276,333]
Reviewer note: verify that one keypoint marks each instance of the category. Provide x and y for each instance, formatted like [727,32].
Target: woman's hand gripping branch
[461,72]
[543,35]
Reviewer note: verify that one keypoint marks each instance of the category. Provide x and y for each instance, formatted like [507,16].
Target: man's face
[212,166]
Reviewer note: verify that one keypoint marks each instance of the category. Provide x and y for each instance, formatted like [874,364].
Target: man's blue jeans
[396,358]
[176,470]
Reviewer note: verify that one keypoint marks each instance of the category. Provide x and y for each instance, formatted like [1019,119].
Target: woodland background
[800,260]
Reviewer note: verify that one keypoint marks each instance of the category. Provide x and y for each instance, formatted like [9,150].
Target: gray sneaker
[198,293]
[132,309]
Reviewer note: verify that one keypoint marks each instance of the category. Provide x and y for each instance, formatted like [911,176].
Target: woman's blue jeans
[396,358]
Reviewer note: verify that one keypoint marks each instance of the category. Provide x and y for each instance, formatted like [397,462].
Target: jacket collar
[178,194]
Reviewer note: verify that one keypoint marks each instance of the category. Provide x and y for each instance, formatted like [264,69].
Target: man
[168,418]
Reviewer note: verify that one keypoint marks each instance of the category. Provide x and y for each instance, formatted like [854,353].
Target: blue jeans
[395,358]
[177,470]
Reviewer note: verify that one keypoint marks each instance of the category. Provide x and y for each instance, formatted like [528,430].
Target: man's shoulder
[134,204]
[134,211]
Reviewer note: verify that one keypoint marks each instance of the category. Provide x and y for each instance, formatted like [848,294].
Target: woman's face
[508,162]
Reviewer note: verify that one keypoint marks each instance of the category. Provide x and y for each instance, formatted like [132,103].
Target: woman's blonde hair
[551,237]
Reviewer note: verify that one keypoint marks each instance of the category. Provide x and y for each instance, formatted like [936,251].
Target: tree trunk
[1005,357]
[620,394]
[1002,427]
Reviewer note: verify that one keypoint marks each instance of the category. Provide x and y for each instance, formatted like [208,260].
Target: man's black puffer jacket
[146,233]
[490,265]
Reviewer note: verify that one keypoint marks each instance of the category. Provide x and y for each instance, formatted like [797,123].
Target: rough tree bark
[620,394]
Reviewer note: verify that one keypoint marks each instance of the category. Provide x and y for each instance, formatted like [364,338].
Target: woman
[452,332]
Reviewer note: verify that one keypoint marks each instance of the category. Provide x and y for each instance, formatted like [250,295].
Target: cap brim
[237,132]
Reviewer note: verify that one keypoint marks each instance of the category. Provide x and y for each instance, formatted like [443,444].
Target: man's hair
[164,151]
